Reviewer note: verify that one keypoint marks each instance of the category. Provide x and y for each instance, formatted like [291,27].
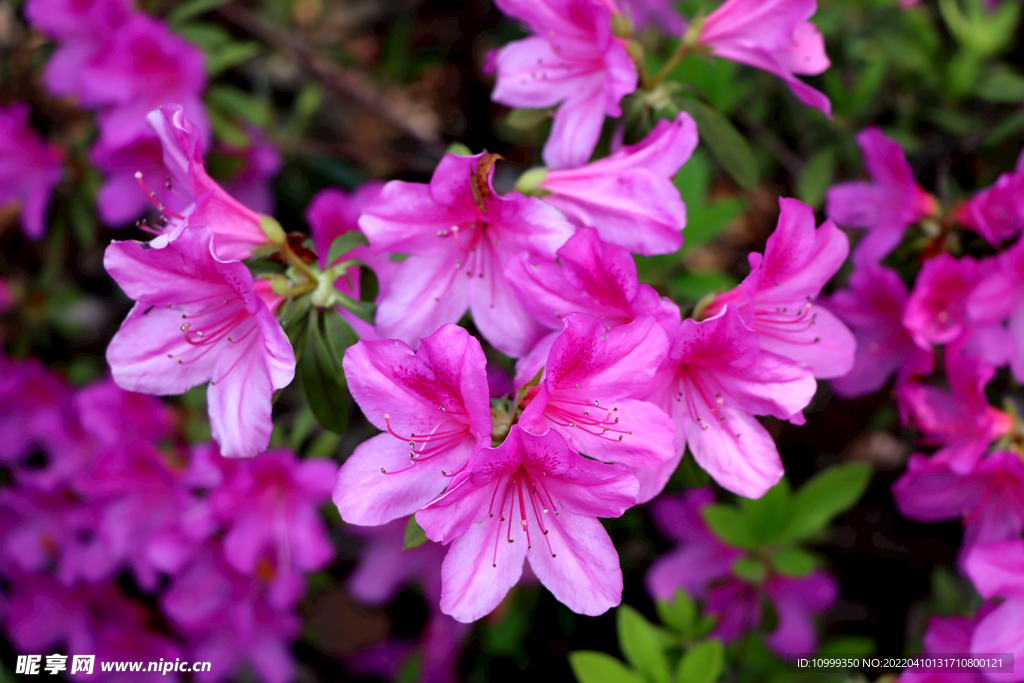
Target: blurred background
[303,95]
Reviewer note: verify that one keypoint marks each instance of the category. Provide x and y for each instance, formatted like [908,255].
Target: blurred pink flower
[702,566]
[571,61]
[872,306]
[29,169]
[774,36]
[997,212]
[997,570]
[886,205]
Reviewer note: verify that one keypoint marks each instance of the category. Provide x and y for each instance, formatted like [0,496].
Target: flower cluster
[122,64]
[29,169]
[966,311]
[105,494]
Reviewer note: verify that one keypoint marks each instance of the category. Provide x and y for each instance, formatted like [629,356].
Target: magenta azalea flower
[227,619]
[936,312]
[29,169]
[588,394]
[960,421]
[997,212]
[236,229]
[485,516]
[260,162]
[989,498]
[997,570]
[997,300]
[433,406]
[885,206]
[589,276]
[702,566]
[778,299]
[571,61]
[951,635]
[629,197]
[198,319]
[660,14]
[460,236]
[873,308]
[716,379]
[774,36]
[273,528]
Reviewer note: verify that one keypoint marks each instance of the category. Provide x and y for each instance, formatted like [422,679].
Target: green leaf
[460,149]
[750,570]
[702,663]
[816,177]
[824,496]
[231,55]
[794,562]
[725,142]
[190,10]
[643,644]
[767,516]
[848,645]
[680,613]
[239,104]
[527,119]
[414,535]
[729,524]
[344,243]
[1002,85]
[694,286]
[597,667]
[323,378]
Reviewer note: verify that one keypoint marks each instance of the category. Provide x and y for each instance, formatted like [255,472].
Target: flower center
[526,488]
[783,322]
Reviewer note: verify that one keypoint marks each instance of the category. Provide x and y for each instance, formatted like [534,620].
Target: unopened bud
[528,182]
[622,27]
[692,36]
[460,149]
[273,230]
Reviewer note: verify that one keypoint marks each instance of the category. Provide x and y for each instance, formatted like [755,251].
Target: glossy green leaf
[730,525]
[768,515]
[414,534]
[824,496]
[642,644]
[726,143]
[344,243]
[702,663]
[187,11]
[597,667]
[679,613]
[323,378]
[816,177]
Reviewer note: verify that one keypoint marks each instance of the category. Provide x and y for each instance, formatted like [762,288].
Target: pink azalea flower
[659,14]
[960,421]
[778,299]
[433,407]
[81,19]
[571,61]
[997,300]
[330,214]
[588,394]
[198,319]
[629,197]
[997,570]
[270,510]
[236,229]
[589,276]
[886,205]
[774,36]
[989,499]
[29,169]
[936,312]
[872,306]
[260,162]
[702,566]
[951,636]
[460,236]
[997,212]
[384,568]
[716,380]
[574,557]
[98,619]
[227,619]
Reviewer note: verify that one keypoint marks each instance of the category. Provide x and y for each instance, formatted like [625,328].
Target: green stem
[292,258]
[671,64]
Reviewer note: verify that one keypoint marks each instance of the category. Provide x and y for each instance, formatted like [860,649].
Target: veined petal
[426,292]
[478,571]
[239,399]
